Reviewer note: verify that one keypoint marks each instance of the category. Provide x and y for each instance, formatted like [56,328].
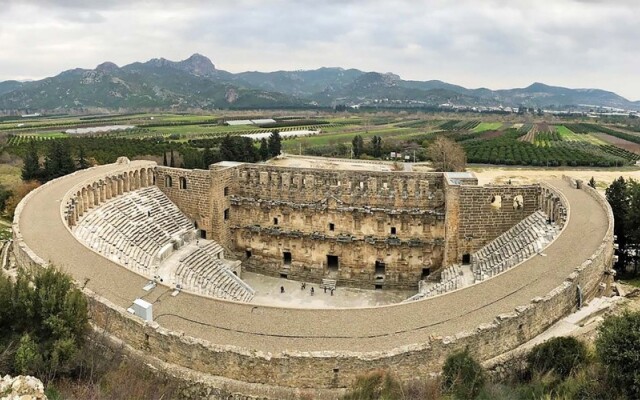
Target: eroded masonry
[365,229]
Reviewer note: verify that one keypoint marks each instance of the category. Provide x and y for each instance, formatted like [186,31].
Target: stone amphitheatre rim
[153,165]
[289,362]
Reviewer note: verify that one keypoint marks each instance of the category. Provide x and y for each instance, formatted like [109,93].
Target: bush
[560,355]
[462,375]
[376,385]
[618,348]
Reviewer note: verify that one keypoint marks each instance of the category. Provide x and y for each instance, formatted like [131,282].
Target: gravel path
[277,329]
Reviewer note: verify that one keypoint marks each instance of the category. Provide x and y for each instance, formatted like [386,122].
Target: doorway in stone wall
[466,259]
[380,269]
[286,258]
[333,264]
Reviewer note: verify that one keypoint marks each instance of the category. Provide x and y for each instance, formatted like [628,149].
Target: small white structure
[143,309]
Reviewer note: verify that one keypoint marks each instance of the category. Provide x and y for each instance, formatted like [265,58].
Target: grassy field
[487,126]
[569,136]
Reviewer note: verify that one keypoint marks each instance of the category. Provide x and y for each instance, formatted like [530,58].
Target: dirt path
[523,175]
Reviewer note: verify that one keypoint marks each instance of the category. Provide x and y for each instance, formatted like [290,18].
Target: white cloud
[475,43]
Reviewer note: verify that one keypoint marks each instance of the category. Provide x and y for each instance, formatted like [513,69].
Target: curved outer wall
[339,368]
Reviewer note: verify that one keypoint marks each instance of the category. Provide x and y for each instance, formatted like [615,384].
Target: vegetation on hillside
[561,368]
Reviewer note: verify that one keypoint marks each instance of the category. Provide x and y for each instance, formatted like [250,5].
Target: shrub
[376,385]
[560,355]
[462,375]
[618,348]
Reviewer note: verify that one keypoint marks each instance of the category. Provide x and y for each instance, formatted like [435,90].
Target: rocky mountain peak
[198,64]
[107,67]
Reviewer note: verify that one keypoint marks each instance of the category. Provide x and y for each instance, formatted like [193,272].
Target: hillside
[196,83]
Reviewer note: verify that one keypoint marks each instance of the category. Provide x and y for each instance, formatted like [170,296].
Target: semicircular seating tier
[141,229]
[525,239]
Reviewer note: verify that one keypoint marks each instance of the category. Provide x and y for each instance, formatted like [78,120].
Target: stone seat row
[524,240]
[529,229]
[132,229]
[204,273]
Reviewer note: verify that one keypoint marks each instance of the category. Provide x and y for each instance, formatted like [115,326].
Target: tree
[592,182]
[462,375]
[172,162]
[618,348]
[238,148]
[207,157]
[27,359]
[164,159]
[560,355]
[82,160]
[4,196]
[17,195]
[226,148]
[357,145]
[632,223]
[49,315]
[376,144]
[275,143]
[58,161]
[617,195]
[264,149]
[447,155]
[31,168]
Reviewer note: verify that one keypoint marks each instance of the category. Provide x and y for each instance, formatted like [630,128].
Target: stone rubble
[21,388]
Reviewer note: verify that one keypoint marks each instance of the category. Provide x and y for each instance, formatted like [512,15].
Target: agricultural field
[487,126]
[503,141]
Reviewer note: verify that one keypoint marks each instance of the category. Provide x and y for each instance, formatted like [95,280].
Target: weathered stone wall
[486,212]
[395,219]
[371,189]
[287,221]
[194,200]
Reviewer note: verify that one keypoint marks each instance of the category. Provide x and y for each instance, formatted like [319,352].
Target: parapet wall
[330,369]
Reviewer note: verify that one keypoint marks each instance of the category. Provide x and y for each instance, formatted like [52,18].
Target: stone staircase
[328,283]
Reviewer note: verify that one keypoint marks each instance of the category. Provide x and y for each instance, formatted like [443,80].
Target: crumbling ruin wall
[287,221]
[190,190]
[486,212]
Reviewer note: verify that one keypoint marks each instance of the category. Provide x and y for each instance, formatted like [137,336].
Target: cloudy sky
[475,43]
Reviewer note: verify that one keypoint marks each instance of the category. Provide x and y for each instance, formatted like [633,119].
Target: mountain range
[197,83]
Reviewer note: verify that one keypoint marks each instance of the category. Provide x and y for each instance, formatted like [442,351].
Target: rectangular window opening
[226,214]
[393,230]
[425,273]
[332,227]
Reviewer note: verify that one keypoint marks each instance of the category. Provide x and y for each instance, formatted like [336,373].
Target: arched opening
[168,181]
[496,202]
[183,182]
[518,202]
